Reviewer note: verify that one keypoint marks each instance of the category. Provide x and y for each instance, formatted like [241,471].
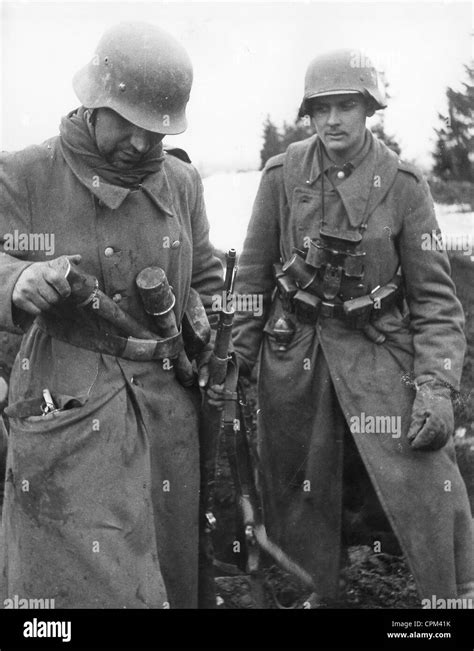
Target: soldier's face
[340,123]
[120,142]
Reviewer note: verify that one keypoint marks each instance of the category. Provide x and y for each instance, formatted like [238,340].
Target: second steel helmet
[340,72]
[142,73]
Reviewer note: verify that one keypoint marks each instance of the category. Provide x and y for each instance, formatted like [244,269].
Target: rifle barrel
[229,272]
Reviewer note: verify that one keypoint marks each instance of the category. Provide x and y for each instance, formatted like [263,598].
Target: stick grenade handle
[158,301]
[85,294]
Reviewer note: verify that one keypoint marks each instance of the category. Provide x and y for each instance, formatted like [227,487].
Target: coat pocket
[395,325]
[305,205]
[68,372]
[31,409]
[394,321]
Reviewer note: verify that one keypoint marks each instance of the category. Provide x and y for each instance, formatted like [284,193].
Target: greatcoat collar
[361,192]
[156,185]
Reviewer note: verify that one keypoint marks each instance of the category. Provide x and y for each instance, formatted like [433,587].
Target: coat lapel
[157,188]
[361,192]
[366,187]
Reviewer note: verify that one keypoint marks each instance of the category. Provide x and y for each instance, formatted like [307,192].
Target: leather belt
[332,310]
[356,312]
[109,344]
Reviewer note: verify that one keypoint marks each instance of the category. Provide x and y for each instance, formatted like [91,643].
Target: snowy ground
[229,199]
[230,196]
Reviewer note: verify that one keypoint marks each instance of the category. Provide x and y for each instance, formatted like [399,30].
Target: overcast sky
[249,60]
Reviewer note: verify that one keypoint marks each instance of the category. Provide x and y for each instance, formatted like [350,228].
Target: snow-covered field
[230,196]
[229,199]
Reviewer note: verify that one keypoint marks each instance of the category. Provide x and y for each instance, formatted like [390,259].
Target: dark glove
[432,418]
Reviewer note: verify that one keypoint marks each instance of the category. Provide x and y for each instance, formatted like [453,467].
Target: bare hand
[215,393]
[40,286]
[3,392]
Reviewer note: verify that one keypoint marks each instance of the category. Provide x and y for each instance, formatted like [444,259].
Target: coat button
[117,298]
[175,244]
[108,252]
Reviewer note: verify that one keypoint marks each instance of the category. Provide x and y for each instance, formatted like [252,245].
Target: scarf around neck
[80,151]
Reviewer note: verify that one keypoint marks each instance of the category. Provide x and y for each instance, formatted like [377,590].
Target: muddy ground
[371,580]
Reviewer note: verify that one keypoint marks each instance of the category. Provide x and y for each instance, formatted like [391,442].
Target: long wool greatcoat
[102,498]
[300,435]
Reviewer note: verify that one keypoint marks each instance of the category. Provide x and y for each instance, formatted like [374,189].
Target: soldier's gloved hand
[40,286]
[432,418]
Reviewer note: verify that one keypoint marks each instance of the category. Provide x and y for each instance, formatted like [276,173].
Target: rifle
[244,465]
[212,423]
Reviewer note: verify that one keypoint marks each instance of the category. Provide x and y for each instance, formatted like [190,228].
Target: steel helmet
[339,72]
[142,73]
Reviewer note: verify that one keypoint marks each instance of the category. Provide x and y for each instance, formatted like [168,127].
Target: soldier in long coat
[361,343]
[101,505]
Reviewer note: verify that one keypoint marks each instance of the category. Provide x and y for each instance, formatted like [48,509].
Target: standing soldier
[102,487]
[361,344]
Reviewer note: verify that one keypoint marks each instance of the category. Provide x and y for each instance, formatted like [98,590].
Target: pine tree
[379,128]
[272,144]
[455,137]
[300,130]
[379,131]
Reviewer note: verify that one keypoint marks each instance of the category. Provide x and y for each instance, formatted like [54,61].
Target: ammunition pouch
[308,307]
[359,310]
[286,287]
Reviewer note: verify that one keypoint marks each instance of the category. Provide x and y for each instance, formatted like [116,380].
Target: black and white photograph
[236,324]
